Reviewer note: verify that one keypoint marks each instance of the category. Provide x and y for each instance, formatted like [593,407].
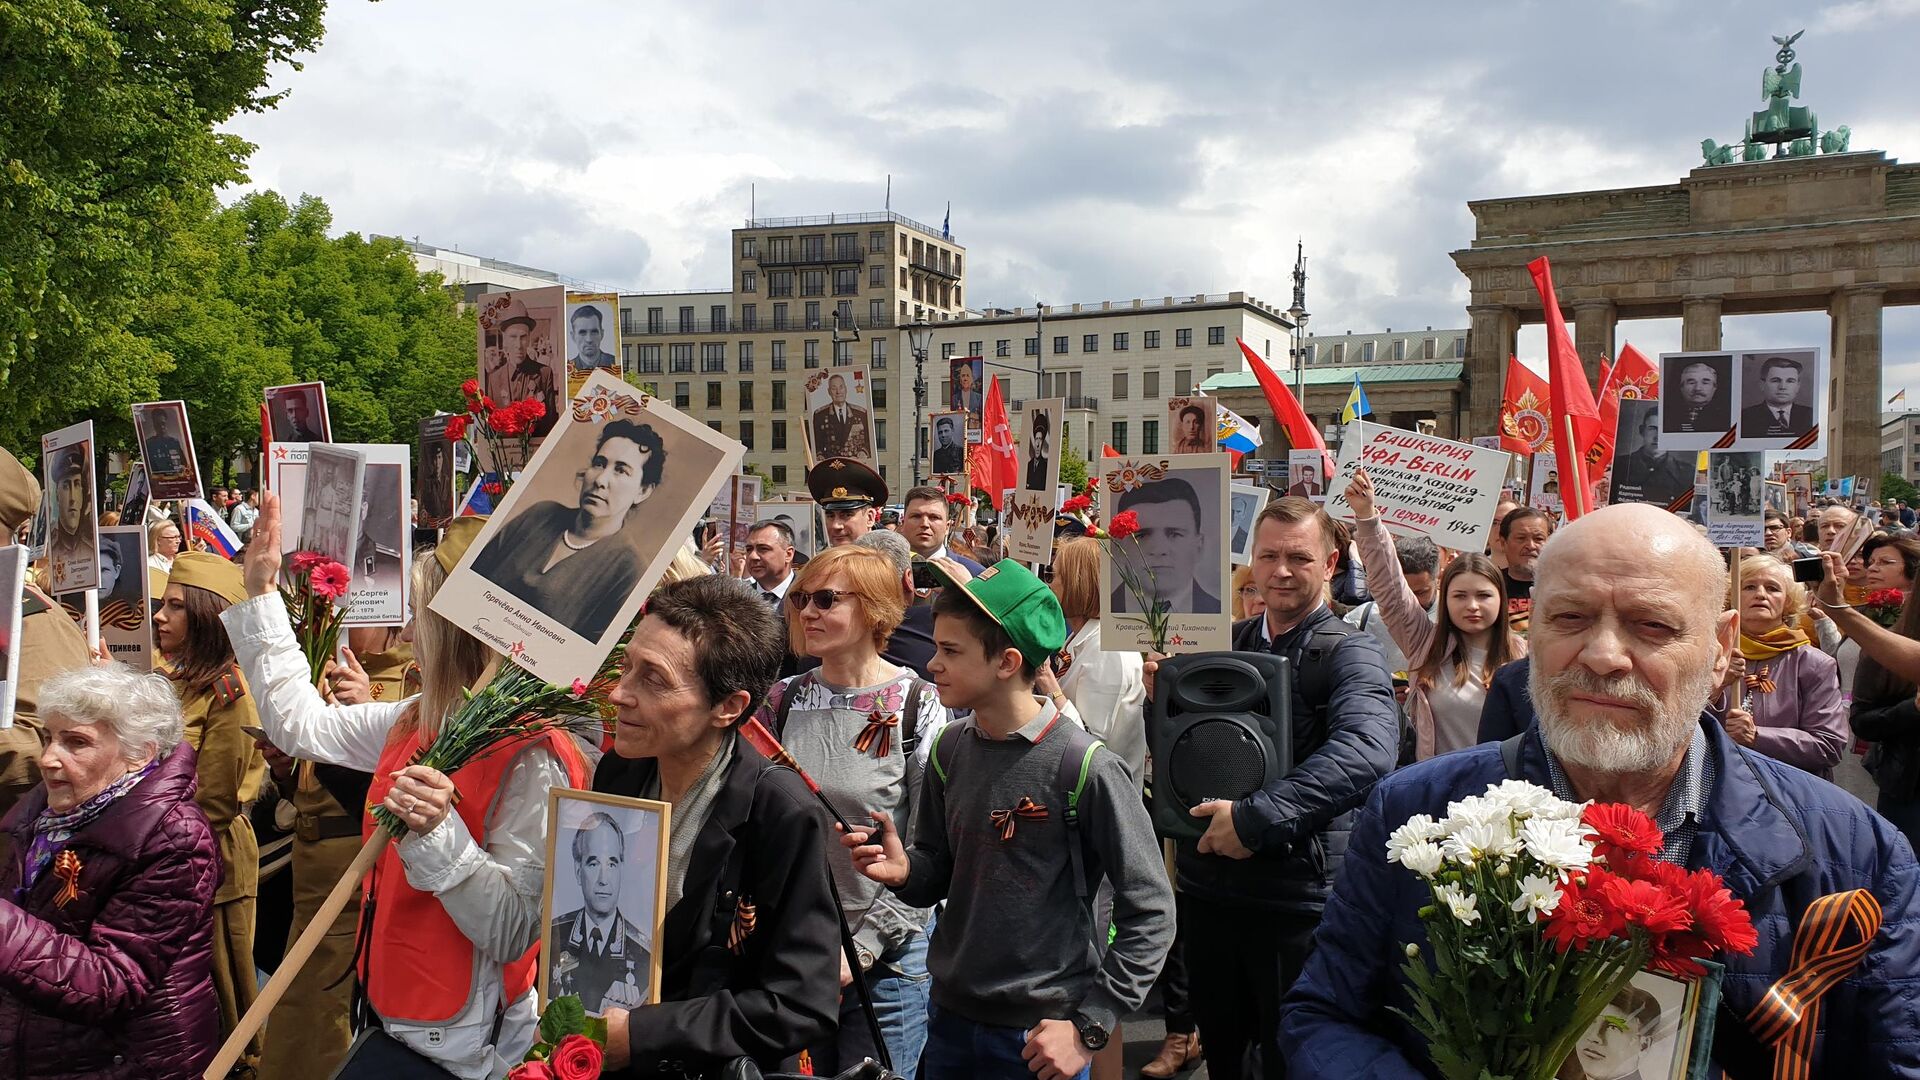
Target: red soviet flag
[1634,377]
[994,469]
[1523,412]
[1301,434]
[1574,414]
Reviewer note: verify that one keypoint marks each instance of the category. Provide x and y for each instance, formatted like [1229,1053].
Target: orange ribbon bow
[1789,1013]
[1004,820]
[877,736]
[746,918]
[66,867]
[1761,680]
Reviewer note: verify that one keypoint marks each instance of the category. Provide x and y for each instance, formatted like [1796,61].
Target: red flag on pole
[1301,434]
[1575,415]
[993,460]
[1523,412]
[1108,451]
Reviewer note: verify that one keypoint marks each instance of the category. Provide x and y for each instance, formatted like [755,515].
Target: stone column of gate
[1593,326]
[1700,324]
[1853,406]
[1493,336]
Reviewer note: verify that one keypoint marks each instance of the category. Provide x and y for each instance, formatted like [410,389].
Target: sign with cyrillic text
[1423,486]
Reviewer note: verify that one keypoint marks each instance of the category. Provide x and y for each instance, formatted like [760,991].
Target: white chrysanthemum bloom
[1464,906]
[1557,844]
[1562,810]
[1472,841]
[1420,828]
[1522,798]
[1538,896]
[1423,858]
[1472,810]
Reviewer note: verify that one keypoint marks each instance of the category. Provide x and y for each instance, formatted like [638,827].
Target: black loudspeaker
[1220,726]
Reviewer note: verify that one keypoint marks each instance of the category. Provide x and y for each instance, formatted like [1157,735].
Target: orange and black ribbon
[1761,680]
[66,867]
[1004,820]
[746,918]
[1788,1014]
[877,736]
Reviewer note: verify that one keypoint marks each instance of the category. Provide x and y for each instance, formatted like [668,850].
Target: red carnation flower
[304,561]
[530,1070]
[1124,524]
[506,421]
[531,409]
[1076,504]
[486,404]
[329,579]
[471,388]
[1619,828]
[576,1057]
[1646,905]
[1583,917]
[456,427]
[493,487]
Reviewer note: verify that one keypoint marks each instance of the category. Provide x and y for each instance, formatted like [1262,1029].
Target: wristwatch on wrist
[1092,1035]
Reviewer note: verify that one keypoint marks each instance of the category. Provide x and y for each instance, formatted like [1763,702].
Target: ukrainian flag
[1357,404]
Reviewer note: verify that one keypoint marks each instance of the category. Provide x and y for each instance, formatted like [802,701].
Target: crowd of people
[989,882]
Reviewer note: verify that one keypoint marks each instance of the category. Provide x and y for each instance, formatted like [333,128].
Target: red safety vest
[418,965]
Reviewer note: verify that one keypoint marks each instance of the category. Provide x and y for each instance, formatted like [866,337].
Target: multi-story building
[1410,376]
[807,293]
[476,275]
[1900,444]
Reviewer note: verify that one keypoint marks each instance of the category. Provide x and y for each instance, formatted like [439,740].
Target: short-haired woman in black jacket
[750,948]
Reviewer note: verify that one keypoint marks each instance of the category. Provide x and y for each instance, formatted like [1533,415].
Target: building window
[746,357]
[656,320]
[1153,339]
[777,357]
[844,309]
[779,473]
[1033,346]
[903,277]
[682,395]
[810,352]
[746,434]
[877,277]
[1211,372]
[1149,436]
[956,290]
[846,245]
[649,359]
[1311,349]
[1182,382]
[918,251]
[1216,335]
[1119,439]
[1183,339]
[876,313]
[715,425]
[681,356]
[746,395]
[957,272]
[1003,347]
[1059,344]
[842,353]
[713,357]
[878,359]
[903,243]
[779,434]
[749,317]
[717,317]
[1121,342]
[1459,347]
[1119,386]
[1090,343]
[779,398]
[1366,352]
[947,350]
[813,283]
[879,393]
[779,283]
[976,348]
[780,249]
[879,434]
[686,319]
[877,242]
[813,314]
[749,281]
[780,316]
[713,395]
[917,294]
[846,281]
[946,391]
[749,247]
[1150,384]
[813,248]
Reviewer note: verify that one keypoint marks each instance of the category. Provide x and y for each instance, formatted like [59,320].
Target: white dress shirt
[1107,691]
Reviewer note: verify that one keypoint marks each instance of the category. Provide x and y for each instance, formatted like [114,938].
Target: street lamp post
[920,337]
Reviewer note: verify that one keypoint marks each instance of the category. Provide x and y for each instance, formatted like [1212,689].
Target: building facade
[476,275]
[1900,444]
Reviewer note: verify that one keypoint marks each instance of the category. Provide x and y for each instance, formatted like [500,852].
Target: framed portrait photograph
[967,384]
[13,579]
[1696,399]
[839,416]
[1191,420]
[73,531]
[133,504]
[298,413]
[571,552]
[330,505]
[1545,493]
[523,350]
[949,443]
[433,474]
[1736,483]
[1643,471]
[383,538]
[593,333]
[797,516]
[1781,400]
[166,446]
[1032,507]
[1178,556]
[605,899]
[1655,1028]
[126,622]
[1245,501]
[1306,469]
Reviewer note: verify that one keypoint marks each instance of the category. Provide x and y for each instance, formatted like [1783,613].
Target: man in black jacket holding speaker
[1257,880]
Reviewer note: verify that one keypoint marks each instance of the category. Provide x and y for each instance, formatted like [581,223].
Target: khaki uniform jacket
[231,771]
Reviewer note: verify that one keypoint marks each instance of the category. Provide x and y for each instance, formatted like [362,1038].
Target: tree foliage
[108,148]
[1895,486]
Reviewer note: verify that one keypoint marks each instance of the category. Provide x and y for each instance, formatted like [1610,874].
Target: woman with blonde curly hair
[1785,694]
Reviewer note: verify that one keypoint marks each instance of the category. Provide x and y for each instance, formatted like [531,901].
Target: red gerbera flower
[329,579]
[1646,905]
[1718,916]
[1617,827]
[1124,524]
[1582,917]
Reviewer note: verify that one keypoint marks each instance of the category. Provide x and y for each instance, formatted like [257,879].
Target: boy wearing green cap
[1021,816]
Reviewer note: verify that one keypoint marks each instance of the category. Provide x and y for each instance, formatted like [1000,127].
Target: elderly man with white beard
[1629,643]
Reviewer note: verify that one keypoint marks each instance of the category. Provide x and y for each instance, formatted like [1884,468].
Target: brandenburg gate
[1832,231]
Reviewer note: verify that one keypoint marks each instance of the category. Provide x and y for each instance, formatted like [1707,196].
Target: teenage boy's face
[962,671]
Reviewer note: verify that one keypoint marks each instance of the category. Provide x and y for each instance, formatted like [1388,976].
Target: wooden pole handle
[297,957]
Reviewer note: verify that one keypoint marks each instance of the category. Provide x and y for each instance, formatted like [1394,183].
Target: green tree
[1895,486]
[107,148]
[1073,471]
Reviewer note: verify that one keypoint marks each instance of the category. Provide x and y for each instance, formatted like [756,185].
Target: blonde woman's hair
[451,660]
[686,563]
[1076,578]
[871,579]
[1242,577]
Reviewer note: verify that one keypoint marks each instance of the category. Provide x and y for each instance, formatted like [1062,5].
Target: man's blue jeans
[959,1049]
[899,984]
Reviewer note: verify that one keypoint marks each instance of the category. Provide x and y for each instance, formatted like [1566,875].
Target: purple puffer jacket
[119,982]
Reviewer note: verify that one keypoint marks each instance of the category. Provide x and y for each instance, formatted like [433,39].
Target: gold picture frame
[569,963]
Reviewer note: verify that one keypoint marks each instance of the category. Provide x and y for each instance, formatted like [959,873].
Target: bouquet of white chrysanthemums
[1542,911]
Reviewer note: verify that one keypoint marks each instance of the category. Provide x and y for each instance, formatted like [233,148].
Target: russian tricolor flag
[207,527]
[1234,434]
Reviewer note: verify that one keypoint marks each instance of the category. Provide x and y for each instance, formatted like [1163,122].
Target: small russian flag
[1232,433]
[207,527]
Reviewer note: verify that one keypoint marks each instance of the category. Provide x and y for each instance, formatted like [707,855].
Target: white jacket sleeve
[292,712]
[1109,693]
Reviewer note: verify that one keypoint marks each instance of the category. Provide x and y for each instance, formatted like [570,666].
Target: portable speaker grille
[1216,759]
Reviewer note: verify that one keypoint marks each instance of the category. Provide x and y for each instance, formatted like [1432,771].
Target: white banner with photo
[593,335]
[73,530]
[379,555]
[569,555]
[1424,485]
[797,516]
[1177,560]
[1746,399]
[13,581]
[1032,507]
[1247,501]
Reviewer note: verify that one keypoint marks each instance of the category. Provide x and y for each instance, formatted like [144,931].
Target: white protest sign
[1423,486]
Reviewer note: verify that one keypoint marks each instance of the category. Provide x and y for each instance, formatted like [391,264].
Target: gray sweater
[1014,944]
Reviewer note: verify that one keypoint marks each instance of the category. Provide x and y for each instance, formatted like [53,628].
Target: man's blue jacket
[1779,836]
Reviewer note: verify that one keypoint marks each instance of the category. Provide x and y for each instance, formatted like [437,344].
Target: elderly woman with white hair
[106,909]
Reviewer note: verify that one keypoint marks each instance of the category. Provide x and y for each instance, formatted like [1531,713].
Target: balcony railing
[809,258]
[878,217]
[633,330]
[933,267]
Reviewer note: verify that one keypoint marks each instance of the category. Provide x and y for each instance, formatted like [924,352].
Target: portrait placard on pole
[1736,480]
[1424,485]
[166,445]
[1751,399]
[1031,510]
[605,899]
[298,413]
[13,580]
[73,531]
[1176,560]
[840,417]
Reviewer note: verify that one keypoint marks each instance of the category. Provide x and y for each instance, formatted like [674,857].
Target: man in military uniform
[850,496]
[165,454]
[840,429]
[514,373]
[71,545]
[597,953]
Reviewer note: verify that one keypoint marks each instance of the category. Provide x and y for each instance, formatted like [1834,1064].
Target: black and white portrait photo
[569,553]
[433,478]
[1246,501]
[1191,421]
[968,384]
[330,505]
[593,338]
[13,578]
[298,413]
[126,625]
[1696,398]
[166,445]
[522,354]
[840,423]
[1642,471]
[1307,470]
[383,542]
[73,534]
[949,443]
[1644,1034]
[1039,466]
[1177,553]
[606,894]
[1777,392]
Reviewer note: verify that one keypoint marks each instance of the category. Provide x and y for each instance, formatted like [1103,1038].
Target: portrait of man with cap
[850,496]
[297,413]
[167,450]
[73,541]
[518,362]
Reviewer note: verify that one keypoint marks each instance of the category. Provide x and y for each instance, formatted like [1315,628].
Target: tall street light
[920,337]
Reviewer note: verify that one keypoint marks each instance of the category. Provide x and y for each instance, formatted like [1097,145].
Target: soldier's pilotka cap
[843,484]
[203,570]
[1021,603]
[19,492]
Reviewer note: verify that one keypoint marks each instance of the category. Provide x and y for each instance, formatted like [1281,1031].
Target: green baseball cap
[1021,603]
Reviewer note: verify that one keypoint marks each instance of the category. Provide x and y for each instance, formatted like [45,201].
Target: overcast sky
[1090,151]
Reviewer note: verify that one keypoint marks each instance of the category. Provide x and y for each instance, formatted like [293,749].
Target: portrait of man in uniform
[1641,471]
[167,449]
[950,443]
[330,504]
[598,954]
[73,540]
[839,427]
[1039,451]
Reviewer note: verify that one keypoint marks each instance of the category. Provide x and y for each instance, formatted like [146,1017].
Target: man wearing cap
[167,460]
[850,496]
[514,373]
[70,543]
[49,644]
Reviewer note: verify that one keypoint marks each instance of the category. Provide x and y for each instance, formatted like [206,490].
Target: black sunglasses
[820,598]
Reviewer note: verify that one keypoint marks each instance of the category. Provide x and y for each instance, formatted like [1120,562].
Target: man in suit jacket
[1777,415]
[840,429]
[966,388]
[1170,551]
[949,448]
[1698,401]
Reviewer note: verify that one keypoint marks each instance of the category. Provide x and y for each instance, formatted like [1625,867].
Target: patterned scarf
[52,829]
[1776,642]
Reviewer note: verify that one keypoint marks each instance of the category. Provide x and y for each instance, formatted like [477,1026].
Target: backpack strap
[1314,668]
[1076,765]
[1510,754]
[942,761]
[787,694]
[910,717]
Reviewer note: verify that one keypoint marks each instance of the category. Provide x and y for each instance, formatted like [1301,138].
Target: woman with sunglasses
[861,727]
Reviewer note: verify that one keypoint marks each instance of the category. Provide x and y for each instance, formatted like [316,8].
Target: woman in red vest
[452,915]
